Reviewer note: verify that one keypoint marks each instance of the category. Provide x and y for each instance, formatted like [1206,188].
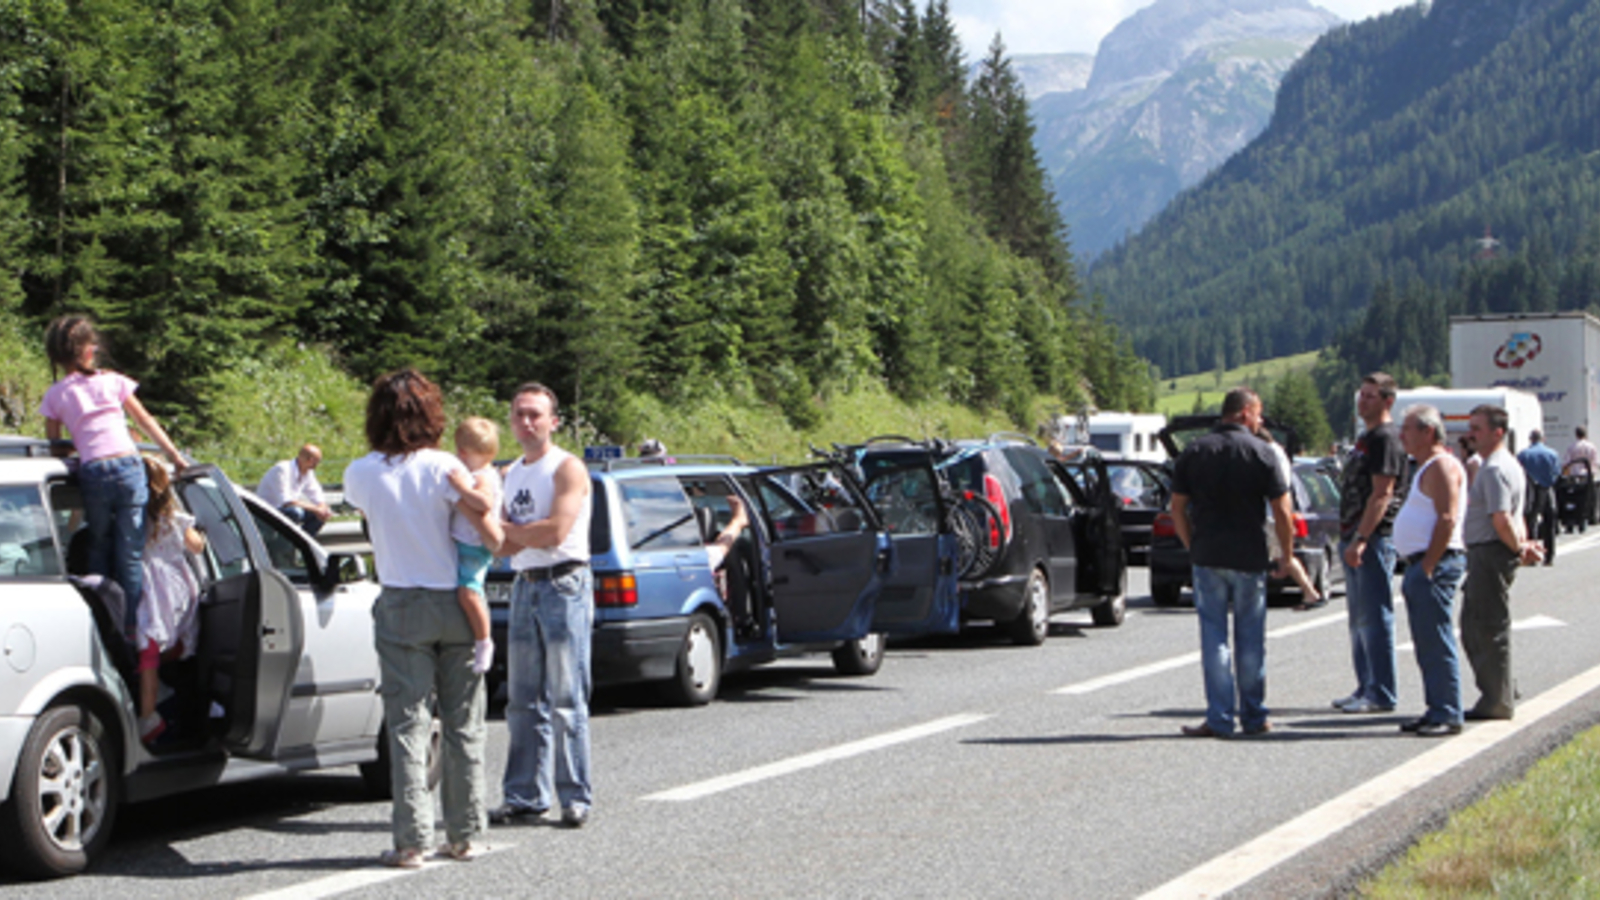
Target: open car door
[825,561]
[920,592]
[251,633]
[1098,525]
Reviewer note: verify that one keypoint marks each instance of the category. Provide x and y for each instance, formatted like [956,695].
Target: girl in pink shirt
[93,404]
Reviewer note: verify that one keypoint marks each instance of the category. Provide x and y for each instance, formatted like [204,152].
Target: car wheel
[863,656]
[64,798]
[1166,593]
[378,776]
[1111,612]
[1032,625]
[699,671]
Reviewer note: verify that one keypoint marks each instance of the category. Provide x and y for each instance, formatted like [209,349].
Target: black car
[1051,543]
[1143,490]
[1315,497]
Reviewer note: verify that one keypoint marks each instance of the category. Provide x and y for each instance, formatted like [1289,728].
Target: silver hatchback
[285,677]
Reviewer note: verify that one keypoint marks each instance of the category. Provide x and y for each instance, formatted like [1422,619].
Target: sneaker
[1342,702]
[1412,726]
[509,814]
[574,817]
[1363,706]
[409,858]
[464,851]
[151,727]
[1438,729]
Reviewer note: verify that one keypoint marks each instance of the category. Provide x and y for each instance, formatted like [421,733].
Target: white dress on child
[168,613]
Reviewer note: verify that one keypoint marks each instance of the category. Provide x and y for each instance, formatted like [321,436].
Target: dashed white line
[816,758]
[356,879]
[1240,865]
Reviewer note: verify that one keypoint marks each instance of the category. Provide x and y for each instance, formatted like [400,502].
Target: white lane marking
[816,758]
[1178,662]
[1579,545]
[1240,865]
[356,879]
[1533,622]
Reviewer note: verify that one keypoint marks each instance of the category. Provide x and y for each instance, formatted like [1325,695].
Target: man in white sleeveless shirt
[1427,535]
[546,512]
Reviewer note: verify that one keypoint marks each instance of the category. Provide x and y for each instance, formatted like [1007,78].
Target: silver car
[285,677]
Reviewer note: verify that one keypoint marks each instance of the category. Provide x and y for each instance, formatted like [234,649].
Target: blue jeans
[548,683]
[1428,608]
[1214,591]
[114,496]
[1369,598]
[309,522]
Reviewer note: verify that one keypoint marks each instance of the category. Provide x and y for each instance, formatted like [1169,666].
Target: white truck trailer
[1119,434]
[1554,356]
[1456,405]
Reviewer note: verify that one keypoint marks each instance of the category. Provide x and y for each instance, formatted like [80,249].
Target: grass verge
[1176,396]
[1539,837]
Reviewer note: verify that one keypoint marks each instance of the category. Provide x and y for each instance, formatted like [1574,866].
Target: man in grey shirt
[1496,542]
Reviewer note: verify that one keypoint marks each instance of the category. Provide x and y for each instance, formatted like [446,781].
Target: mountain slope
[1177,88]
[1394,143]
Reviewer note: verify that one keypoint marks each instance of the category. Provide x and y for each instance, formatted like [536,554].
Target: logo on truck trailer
[1518,351]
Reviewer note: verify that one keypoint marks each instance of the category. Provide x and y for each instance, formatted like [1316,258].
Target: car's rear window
[27,545]
[657,514]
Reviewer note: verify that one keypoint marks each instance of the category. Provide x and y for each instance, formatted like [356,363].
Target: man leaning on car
[1222,485]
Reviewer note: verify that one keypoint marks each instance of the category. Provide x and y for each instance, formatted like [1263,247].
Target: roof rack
[22,445]
[1017,436]
[640,462]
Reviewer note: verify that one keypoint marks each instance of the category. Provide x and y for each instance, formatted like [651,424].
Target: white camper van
[1121,435]
[1456,406]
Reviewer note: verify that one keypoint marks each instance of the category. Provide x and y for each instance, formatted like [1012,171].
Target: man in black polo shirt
[1221,488]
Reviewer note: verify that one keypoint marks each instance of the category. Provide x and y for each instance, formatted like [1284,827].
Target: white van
[1456,406]
[1120,435]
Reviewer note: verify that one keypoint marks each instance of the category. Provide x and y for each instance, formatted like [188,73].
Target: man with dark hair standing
[1496,543]
[1221,487]
[1368,503]
[546,511]
[1543,467]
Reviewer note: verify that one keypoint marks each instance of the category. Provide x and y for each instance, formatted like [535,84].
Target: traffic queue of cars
[892,537]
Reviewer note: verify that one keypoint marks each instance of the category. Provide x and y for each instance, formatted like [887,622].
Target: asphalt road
[959,770]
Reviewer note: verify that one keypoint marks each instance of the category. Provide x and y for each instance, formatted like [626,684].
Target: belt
[1415,558]
[551,573]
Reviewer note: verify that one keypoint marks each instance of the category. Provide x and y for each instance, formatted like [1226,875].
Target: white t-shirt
[408,501]
[460,526]
[284,484]
[528,497]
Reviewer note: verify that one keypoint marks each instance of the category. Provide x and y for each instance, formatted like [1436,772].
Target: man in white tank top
[546,520]
[1427,535]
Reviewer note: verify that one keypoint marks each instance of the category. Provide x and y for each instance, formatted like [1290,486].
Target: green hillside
[1394,144]
[1176,396]
[647,206]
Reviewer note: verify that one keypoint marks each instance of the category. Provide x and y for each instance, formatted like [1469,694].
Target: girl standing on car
[168,620]
[94,405]
[425,644]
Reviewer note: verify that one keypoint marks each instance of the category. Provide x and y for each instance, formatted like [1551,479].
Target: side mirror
[342,568]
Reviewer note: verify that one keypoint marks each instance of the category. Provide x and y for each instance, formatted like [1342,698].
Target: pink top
[91,408]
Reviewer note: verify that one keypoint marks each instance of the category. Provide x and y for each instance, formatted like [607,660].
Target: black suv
[1052,544]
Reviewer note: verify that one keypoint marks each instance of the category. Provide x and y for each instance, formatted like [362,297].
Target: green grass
[1539,837]
[1175,396]
[293,394]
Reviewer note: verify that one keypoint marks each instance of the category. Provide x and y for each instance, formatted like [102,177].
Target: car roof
[26,460]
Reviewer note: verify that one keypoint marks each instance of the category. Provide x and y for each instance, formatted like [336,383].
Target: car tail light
[617,589]
[995,494]
[1163,526]
[1301,532]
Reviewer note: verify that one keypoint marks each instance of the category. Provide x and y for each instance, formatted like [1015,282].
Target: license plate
[498,591]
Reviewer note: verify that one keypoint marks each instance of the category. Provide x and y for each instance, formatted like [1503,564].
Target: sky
[1076,26]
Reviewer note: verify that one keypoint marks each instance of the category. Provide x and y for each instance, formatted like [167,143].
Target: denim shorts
[472,566]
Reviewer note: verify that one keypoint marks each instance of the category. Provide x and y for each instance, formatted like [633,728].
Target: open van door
[251,633]
[920,591]
[825,564]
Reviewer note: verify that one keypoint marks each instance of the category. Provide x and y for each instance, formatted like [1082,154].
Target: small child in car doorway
[169,625]
[477,443]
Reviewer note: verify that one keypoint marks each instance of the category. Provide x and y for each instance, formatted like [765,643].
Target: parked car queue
[890,537]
